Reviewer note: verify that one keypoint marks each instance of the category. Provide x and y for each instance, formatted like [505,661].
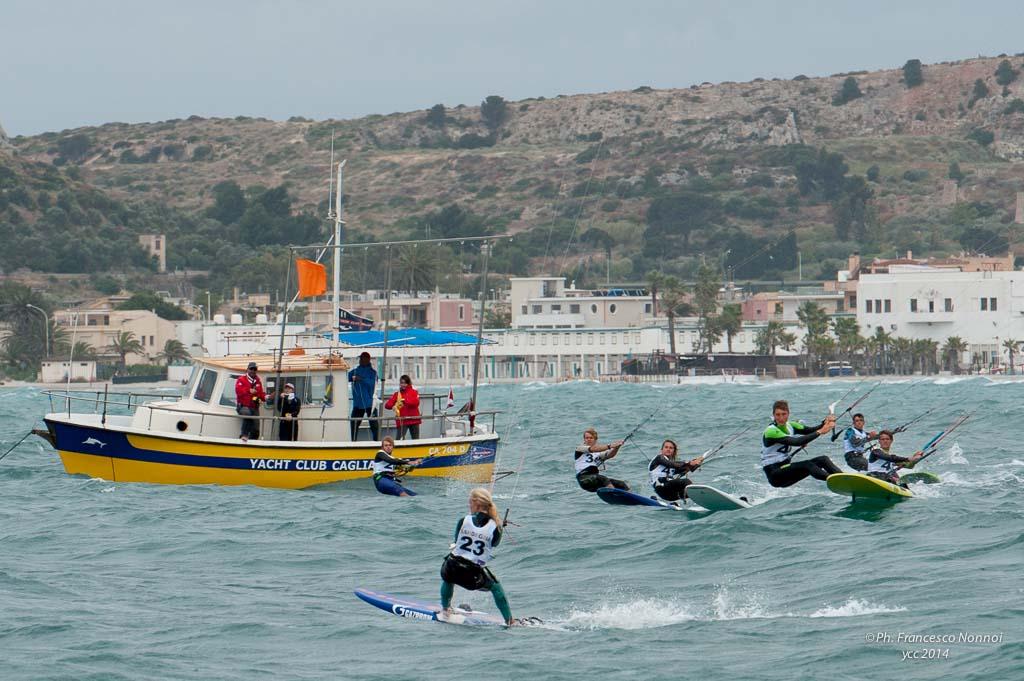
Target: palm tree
[952,352]
[655,281]
[901,354]
[123,344]
[416,267]
[883,341]
[174,350]
[83,351]
[815,321]
[772,336]
[730,322]
[1012,347]
[672,296]
[848,338]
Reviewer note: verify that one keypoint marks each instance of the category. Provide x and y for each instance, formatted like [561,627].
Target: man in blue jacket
[364,381]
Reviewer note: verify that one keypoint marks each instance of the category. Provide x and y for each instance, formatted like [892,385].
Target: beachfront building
[421,310]
[982,307]
[546,303]
[99,326]
[225,335]
[551,354]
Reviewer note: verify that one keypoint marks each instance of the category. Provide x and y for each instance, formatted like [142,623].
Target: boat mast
[338,222]
[387,319]
[485,251]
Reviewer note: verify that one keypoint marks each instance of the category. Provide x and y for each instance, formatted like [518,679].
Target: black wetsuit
[590,478]
[671,488]
[788,472]
[878,454]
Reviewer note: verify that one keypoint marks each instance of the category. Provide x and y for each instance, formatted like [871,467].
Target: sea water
[100,580]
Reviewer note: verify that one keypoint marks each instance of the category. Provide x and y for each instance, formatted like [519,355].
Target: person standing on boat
[589,457]
[363,379]
[855,442]
[288,406]
[777,451]
[668,476]
[884,465]
[384,472]
[248,397]
[476,536]
[406,403]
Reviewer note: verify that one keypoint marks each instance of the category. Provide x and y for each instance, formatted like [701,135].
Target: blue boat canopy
[398,338]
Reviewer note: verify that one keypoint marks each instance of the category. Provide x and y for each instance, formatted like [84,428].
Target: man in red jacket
[248,397]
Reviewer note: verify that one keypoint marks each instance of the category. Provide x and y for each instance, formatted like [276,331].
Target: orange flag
[312,278]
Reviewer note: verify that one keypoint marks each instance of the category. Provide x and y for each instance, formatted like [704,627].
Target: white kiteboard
[714,499]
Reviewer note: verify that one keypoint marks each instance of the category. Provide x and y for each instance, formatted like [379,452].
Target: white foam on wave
[642,613]
[956,455]
[854,607]
[726,605]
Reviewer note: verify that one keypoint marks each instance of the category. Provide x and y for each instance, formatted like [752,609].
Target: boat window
[227,395]
[310,388]
[204,387]
[193,377]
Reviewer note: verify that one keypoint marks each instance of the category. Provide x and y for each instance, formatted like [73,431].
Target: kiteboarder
[384,469]
[589,456]
[777,444]
[476,535]
[883,465]
[855,441]
[668,476]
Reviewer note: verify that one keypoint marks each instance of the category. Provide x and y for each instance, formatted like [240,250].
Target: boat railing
[103,401]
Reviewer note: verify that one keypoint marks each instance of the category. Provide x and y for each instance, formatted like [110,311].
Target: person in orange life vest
[406,403]
[249,395]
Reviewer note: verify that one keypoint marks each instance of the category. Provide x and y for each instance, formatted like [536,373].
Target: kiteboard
[860,486]
[620,497]
[920,476]
[411,608]
[714,499]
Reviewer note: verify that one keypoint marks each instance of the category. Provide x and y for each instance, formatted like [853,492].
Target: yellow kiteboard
[860,486]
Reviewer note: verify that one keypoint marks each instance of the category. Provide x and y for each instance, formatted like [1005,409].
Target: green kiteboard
[920,476]
[860,486]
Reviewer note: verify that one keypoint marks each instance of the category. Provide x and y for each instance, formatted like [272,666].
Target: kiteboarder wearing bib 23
[384,470]
[589,456]
[668,476]
[777,449]
[883,465]
[476,535]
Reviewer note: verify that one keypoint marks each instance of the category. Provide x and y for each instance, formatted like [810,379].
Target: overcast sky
[65,64]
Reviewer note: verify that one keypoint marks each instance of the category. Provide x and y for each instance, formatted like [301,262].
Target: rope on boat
[23,438]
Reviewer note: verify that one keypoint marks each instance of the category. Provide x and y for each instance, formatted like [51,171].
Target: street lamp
[46,327]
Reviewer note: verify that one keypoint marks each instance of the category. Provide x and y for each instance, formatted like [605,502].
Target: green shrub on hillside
[912,76]
[981,136]
[980,92]
[1016,106]
[1005,73]
[848,92]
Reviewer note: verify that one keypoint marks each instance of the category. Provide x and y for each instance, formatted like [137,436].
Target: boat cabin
[207,407]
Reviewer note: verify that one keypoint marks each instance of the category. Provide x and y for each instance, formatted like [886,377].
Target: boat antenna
[338,223]
[485,251]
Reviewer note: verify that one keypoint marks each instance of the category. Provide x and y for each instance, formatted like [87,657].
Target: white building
[545,303]
[55,371]
[546,354]
[230,336]
[920,302]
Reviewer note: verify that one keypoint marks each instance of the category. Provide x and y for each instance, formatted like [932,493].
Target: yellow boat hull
[122,456]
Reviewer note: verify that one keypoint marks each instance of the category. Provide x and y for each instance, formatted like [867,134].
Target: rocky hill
[623,167]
